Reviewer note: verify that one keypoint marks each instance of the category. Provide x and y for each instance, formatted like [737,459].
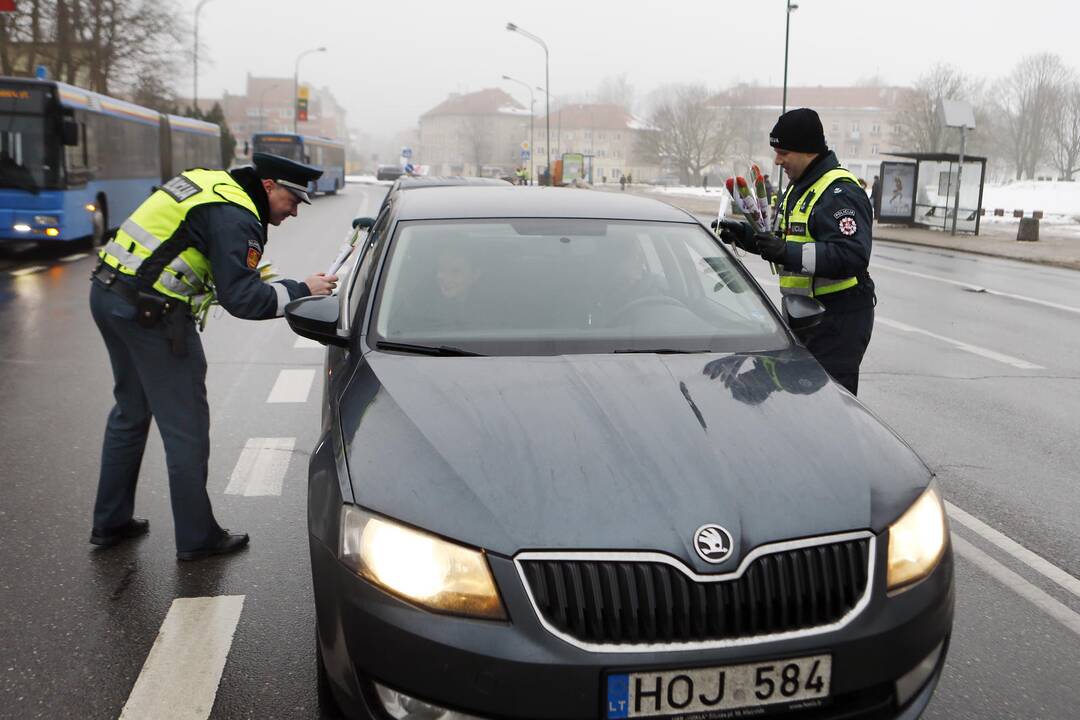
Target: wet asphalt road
[983,385]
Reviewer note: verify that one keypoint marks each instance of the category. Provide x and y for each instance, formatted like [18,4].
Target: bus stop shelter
[920,190]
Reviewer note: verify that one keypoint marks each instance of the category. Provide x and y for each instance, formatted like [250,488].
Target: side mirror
[363,223]
[316,318]
[802,312]
[69,132]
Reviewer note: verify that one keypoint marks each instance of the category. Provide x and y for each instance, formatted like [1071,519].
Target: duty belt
[110,279]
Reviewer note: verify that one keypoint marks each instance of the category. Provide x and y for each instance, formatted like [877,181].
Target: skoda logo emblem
[713,543]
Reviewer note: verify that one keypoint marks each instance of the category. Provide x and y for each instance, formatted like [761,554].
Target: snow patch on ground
[1053,198]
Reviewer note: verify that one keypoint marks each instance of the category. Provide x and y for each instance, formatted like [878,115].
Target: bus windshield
[282,145]
[28,160]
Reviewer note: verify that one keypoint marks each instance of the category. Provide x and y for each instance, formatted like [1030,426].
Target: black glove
[739,234]
[771,247]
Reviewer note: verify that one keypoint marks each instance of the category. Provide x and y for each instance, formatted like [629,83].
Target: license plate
[713,693]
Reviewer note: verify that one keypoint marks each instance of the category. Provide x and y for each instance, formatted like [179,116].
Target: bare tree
[616,90]
[687,131]
[921,126]
[104,45]
[475,138]
[1026,100]
[1064,143]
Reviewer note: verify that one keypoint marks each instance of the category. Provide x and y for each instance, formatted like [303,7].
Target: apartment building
[478,133]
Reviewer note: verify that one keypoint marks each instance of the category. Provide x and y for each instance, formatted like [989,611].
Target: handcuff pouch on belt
[151,307]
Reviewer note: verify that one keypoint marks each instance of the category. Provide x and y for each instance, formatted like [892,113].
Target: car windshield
[553,286]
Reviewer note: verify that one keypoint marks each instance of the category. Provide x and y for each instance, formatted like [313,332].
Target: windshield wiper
[441,350]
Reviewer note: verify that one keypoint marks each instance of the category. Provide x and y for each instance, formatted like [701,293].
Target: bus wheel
[334,191]
[97,239]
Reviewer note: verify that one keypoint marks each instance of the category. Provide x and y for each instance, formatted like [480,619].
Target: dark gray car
[575,465]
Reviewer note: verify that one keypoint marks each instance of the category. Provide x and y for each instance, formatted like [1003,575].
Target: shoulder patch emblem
[847,226]
[181,188]
[844,212]
[253,257]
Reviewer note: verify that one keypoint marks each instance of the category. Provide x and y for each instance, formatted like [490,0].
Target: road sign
[525,145]
[406,152]
[524,154]
[409,168]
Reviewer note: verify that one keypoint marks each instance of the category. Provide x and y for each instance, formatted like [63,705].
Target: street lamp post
[532,115]
[296,83]
[783,106]
[195,89]
[547,83]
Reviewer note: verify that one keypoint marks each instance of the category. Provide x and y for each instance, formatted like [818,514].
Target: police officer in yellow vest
[823,245]
[197,239]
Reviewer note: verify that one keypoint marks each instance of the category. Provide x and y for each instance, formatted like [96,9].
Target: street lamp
[262,95]
[547,83]
[532,115]
[783,106]
[195,90]
[558,131]
[296,83]
[787,35]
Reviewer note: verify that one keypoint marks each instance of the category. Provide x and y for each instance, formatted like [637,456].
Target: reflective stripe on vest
[188,276]
[798,220]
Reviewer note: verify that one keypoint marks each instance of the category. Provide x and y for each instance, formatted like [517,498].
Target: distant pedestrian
[705,181]
[622,182]
[629,179]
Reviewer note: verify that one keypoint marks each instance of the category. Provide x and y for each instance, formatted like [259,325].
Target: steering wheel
[644,301]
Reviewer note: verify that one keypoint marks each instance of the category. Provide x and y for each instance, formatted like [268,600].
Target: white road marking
[979,288]
[261,467]
[1015,582]
[960,345]
[73,258]
[303,343]
[180,677]
[292,386]
[1018,551]
[28,270]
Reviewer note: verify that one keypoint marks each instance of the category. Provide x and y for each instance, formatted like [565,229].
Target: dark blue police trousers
[152,382]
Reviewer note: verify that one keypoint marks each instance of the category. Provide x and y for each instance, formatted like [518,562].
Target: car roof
[425,181]
[510,201]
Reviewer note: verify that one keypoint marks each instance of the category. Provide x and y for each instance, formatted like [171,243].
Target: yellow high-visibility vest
[795,227]
[188,277]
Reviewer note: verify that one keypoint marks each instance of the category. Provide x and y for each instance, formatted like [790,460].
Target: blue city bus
[74,164]
[319,151]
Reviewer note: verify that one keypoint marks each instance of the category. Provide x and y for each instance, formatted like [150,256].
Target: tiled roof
[483,102]
[594,117]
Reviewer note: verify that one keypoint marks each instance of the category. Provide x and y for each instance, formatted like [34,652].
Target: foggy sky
[391,60]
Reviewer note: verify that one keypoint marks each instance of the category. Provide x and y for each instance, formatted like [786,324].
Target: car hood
[621,452]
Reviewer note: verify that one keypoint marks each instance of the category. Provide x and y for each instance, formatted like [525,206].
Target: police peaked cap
[799,131]
[291,175]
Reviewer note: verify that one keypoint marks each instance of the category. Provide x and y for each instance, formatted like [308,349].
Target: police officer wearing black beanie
[823,245]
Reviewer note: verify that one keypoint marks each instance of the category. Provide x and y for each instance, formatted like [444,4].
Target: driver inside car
[629,281]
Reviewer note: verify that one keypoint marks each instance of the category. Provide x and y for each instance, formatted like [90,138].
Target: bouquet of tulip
[762,193]
[747,203]
[202,313]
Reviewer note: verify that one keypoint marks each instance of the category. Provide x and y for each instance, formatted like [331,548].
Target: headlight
[418,566]
[917,540]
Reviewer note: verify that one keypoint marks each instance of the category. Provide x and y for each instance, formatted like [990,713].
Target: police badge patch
[847,225]
[254,254]
[181,188]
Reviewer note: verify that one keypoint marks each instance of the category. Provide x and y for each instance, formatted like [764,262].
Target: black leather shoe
[106,537]
[226,543]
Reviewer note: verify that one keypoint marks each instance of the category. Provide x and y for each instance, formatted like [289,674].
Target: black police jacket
[841,250]
[233,241]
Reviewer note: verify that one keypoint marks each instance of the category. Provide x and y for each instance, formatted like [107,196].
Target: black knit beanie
[799,131]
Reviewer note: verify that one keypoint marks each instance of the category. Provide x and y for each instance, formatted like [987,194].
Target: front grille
[610,601]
